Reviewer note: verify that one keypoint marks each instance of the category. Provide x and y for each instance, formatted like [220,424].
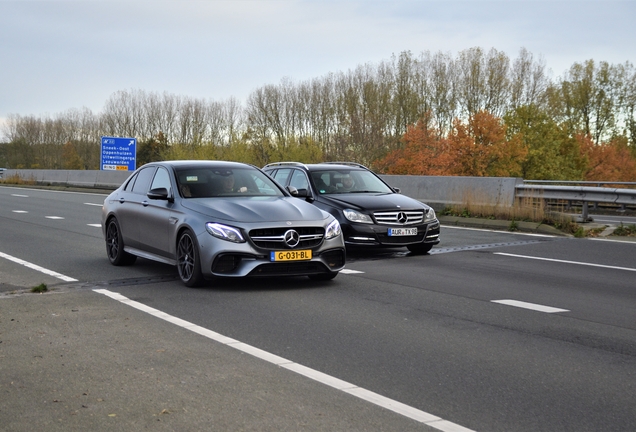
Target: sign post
[119,154]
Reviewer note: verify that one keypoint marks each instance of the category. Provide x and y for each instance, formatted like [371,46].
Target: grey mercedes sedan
[216,218]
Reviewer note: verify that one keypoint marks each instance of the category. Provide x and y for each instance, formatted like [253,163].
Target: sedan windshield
[348,181]
[206,182]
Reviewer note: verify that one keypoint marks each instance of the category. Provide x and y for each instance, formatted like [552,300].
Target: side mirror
[293,191]
[159,194]
[300,193]
[397,190]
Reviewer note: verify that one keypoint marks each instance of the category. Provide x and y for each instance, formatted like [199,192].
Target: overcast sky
[59,55]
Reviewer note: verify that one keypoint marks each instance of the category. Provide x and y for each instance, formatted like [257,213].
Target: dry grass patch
[17,179]
[524,210]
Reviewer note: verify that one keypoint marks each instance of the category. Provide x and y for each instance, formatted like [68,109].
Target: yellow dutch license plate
[297,255]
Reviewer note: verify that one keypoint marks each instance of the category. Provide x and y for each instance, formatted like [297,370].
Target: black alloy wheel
[188,262]
[115,245]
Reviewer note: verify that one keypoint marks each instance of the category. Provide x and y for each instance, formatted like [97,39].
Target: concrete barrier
[440,191]
[78,178]
[436,191]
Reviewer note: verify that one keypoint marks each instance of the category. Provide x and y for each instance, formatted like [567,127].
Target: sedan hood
[373,202]
[256,209]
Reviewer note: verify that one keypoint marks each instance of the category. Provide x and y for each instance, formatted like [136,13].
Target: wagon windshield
[348,181]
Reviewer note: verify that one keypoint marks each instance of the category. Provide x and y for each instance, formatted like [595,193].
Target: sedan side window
[131,182]
[161,180]
[143,180]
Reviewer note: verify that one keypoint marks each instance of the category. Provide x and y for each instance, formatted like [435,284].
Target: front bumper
[375,235]
[226,259]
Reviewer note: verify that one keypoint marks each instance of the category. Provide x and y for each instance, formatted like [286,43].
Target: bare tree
[529,81]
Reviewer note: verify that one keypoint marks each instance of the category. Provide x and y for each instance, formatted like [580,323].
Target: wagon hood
[374,202]
[256,209]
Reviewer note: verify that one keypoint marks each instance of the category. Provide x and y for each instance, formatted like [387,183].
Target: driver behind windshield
[227,184]
[348,184]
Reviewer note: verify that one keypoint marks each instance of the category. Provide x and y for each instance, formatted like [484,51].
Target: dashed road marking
[566,261]
[532,306]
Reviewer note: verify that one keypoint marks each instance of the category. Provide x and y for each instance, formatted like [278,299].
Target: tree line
[477,113]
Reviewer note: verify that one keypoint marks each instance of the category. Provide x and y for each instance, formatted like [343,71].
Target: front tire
[115,245]
[420,248]
[188,260]
[323,276]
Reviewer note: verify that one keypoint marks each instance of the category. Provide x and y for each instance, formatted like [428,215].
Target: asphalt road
[492,331]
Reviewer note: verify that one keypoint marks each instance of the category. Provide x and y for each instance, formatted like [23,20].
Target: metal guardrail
[618,196]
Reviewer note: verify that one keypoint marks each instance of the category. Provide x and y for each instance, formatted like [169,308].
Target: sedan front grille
[274,238]
[399,217]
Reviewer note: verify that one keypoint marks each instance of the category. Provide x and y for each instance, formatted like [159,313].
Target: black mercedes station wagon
[370,212]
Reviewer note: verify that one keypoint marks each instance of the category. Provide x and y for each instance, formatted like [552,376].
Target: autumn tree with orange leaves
[422,152]
[477,148]
[612,161]
[480,148]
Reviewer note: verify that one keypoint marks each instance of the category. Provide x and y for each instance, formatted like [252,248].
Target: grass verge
[626,230]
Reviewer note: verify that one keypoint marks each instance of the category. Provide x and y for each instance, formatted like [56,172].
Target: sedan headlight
[224,232]
[355,216]
[430,215]
[333,230]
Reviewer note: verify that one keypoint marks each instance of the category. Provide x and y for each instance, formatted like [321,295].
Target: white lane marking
[533,306]
[615,240]
[349,271]
[361,393]
[56,191]
[498,231]
[38,268]
[93,204]
[54,217]
[95,225]
[567,262]
[19,211]
[21,196]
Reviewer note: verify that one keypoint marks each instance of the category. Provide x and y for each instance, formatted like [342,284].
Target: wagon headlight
[355,216]
[224,232]
[333,230]
[430,215]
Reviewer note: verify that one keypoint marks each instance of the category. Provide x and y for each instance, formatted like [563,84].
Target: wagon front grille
[399,217]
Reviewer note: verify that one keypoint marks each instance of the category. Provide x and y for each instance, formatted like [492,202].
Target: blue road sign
[119,154]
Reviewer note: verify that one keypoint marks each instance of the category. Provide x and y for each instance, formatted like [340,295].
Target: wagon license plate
[394,232]
[298,255]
